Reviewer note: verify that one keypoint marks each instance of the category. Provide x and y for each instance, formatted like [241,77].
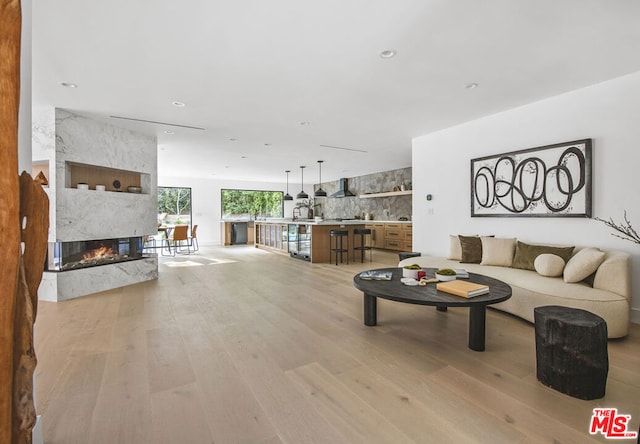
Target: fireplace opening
[64,256]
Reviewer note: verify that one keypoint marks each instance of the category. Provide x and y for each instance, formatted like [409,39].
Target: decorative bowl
[446,274]
[408,273]
[83,186]
[134,189]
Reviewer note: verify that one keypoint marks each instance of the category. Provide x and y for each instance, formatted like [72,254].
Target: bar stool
[338,246]
[362,232]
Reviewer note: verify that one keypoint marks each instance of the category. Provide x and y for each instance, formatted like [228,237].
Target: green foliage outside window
[174,205]
[245,203]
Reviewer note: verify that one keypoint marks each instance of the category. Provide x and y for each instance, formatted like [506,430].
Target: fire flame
[98,253]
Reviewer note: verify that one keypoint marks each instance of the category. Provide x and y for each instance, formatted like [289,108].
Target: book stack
[463,288]
[373,275]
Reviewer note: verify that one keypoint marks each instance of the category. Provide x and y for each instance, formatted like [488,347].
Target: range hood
[344,189]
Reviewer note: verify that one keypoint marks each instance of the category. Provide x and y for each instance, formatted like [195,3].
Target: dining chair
[193,240]
[179,234]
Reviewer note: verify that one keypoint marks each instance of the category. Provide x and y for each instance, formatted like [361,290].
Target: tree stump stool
[571,351]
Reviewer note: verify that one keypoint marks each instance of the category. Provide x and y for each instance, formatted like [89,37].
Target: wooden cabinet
[271,236]
[377,235]
[407,237]
[225,233]
[391,236]
[250,234]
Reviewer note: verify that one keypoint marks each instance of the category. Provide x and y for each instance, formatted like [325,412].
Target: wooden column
[10,27]
[24,223]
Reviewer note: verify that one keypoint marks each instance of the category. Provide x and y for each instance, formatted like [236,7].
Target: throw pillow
[549,265]
[471,247]
[526,254]
[497,251]
[584,263]
[455,250]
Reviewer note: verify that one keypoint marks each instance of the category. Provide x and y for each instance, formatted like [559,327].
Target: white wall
[608,113]
[205,195]
[24,126]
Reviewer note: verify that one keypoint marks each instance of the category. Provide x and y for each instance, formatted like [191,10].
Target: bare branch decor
[552,180]
[627,232]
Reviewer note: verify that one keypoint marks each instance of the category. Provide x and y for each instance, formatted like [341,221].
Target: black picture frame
[545,181]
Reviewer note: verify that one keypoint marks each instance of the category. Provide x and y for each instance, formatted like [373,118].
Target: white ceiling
[252,70]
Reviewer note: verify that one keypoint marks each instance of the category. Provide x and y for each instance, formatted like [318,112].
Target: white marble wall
[43,148]
[87,214]
[59,137]
[81,282]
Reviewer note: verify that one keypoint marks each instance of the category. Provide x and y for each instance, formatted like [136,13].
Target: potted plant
[310,205]
[411,271]
[446,274]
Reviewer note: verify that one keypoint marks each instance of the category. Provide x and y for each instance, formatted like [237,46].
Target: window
[174,206]
[251,203]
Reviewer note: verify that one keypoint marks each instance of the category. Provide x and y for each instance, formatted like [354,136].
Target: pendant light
[302,194]
[320,192]
[287,196]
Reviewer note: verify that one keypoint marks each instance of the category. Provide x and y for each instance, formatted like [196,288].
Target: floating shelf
[386,194]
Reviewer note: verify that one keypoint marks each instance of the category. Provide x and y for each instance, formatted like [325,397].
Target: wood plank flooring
[239,345]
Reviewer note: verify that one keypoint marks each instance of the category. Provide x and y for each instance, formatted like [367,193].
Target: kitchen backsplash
[379,208]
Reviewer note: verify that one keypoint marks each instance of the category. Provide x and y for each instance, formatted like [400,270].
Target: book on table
[462,288]
[373,275]
[461,273]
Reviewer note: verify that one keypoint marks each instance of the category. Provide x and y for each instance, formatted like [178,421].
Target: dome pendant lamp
[287,196]
[320,192]
[302,194]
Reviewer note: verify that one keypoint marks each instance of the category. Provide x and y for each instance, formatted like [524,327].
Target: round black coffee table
[395,290]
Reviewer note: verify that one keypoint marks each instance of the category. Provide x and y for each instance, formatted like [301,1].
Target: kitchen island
[305,239]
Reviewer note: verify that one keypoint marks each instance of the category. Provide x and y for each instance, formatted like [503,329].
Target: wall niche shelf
[386,194]
[109,177]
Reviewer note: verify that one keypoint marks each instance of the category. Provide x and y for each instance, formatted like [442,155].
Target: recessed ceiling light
[243,157]
[68,85]
[471,85]
[388,53]
[169,132]
[178,104]
[232,139]
[267,144]
[305,123]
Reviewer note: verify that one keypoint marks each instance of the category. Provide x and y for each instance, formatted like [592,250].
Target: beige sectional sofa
[605,292]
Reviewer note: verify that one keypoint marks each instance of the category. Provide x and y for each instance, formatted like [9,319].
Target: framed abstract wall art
[546,181]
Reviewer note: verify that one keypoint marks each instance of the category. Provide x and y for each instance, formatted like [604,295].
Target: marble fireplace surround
[62,139]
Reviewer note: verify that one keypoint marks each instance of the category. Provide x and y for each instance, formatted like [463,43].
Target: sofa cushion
[497,251]
[471,249]
[584,263]
[550,265]
[455,249]
[526,254]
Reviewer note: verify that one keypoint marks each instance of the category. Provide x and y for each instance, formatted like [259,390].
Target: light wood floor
[238,345]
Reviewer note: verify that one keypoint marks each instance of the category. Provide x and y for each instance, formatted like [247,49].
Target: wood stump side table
[571,351]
